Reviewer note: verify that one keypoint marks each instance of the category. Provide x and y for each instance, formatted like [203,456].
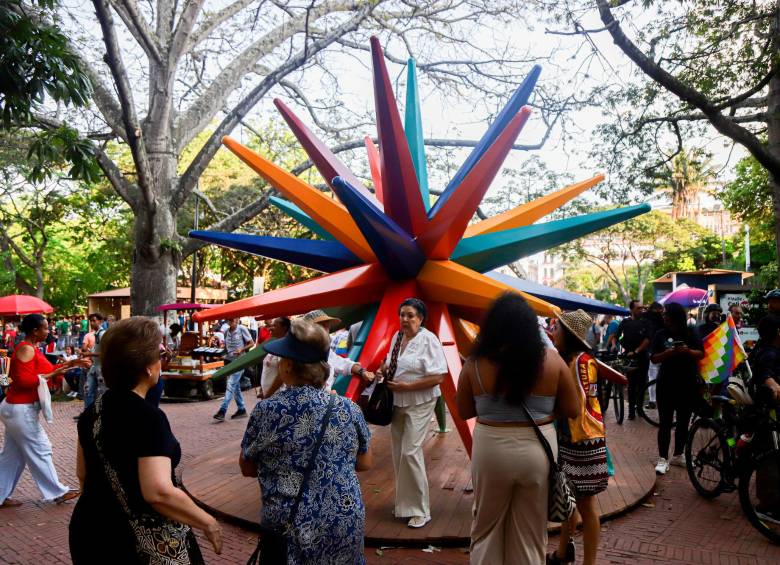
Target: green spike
[252,357]
[414,133]
[292,210]
[486,252]
[342,382]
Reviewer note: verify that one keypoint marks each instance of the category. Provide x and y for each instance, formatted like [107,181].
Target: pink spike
[374,162]
[403,201]
[446,228]
[382,330]
[326,162]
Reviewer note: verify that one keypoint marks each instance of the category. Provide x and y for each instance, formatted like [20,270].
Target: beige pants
[408,430]
[509,469]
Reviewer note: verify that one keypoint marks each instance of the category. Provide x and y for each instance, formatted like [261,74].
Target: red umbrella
[19,304]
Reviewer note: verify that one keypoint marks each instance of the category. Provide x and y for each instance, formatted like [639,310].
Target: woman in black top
[678,349]
[131,509]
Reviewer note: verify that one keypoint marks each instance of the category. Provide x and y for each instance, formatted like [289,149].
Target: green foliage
[55,149]
[35,62]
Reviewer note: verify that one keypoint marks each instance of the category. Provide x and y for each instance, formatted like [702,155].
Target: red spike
[326,162]
[402,198]
[374,163]
[359,285]
[446,228]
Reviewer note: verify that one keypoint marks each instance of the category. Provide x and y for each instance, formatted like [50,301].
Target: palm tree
[685,177]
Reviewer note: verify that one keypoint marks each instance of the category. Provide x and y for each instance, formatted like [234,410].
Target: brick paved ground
[675,526]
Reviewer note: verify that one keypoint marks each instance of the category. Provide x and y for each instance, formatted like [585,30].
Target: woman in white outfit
[420,368]
[26,442]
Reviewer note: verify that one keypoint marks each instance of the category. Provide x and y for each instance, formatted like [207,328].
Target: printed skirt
[585,465]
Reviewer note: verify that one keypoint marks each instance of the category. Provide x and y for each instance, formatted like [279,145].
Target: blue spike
[326,256]
[489,251]
[414,132]
[517,101]
[394,247]
[303,218]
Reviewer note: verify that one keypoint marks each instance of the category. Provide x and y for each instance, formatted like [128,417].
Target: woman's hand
[368,376]
[398,386]
[213,533]
[77,363]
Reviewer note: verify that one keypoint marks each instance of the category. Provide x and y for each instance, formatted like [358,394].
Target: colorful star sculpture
[380,248]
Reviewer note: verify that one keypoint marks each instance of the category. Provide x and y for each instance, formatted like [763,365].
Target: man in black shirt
[712,319]
[633,333]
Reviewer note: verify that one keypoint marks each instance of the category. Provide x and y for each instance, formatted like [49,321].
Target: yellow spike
[456,285]
[328,213]
[529,212]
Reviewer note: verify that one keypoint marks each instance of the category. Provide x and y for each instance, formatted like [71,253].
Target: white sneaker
[418,521]
[678,460]
[662,467]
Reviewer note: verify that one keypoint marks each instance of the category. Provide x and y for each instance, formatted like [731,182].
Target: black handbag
[272,545]
[378,408]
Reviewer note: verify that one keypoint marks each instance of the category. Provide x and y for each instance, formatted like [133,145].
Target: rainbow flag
[723,352]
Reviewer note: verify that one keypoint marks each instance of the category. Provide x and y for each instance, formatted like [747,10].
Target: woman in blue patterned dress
[329,524]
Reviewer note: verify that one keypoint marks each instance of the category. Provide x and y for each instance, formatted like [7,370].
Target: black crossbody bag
[377,400]
[272,545]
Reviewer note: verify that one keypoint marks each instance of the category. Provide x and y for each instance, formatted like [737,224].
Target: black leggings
[672,398]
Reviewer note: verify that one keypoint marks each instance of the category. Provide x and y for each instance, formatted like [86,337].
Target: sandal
[10,503]
[553,559]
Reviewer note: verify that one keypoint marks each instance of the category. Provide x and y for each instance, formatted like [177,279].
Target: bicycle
[608,390]
[739,449]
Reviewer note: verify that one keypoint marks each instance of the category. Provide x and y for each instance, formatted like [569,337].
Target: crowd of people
[532,390]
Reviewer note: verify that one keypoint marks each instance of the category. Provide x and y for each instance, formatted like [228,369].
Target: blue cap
[290,347]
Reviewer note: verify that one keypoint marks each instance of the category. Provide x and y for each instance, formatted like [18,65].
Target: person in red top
[26,442]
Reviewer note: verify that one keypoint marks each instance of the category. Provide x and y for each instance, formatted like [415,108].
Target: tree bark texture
[773,127]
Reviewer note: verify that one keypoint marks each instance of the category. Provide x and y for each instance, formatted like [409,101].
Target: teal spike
[342,382]
[489,251]
[414,133]
[292,210]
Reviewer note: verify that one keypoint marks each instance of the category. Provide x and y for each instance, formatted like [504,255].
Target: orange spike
[530,212]
[328,213]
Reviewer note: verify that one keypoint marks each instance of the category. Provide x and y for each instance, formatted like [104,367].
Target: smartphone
[678,343]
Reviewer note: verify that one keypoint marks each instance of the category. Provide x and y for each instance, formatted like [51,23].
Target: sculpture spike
[323,158]
[331,215]
[530,212]
[414,132]
[396,250]
[445,281]
[446,228]
[403,201]
[325,256]
[375,164]
[486,252]
[440,323]
[303,218]
[359,285]
[517,101]
[342,382]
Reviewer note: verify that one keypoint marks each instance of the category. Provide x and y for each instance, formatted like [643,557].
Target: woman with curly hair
[510,374]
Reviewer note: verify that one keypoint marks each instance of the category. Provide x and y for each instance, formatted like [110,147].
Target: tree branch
[203,110]
[214,21]
[133,128]
[183,30]
[207,152]
[725,125]
[137,26]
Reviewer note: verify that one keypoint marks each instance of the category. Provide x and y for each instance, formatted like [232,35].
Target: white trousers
[408,430]
[26,443]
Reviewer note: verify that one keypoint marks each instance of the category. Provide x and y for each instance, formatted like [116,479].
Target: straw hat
[317,316]
[577,322]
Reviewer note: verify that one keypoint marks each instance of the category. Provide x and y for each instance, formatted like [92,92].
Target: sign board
[257,285]
[748,335]
[729,299]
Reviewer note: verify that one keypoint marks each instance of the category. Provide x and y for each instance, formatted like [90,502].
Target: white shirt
[270,372]
[338,366]
[423,357]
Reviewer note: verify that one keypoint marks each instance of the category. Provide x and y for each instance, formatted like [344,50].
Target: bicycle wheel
[647,410]
[759,495]
[617,401]
[707,457]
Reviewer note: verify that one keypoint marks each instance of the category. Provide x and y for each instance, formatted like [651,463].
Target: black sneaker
[631,416]
[650,406]
[219,416]
[241,413]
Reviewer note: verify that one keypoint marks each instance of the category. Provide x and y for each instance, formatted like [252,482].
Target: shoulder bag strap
[542,439]
[111,475]
[310,465]
[394,357]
